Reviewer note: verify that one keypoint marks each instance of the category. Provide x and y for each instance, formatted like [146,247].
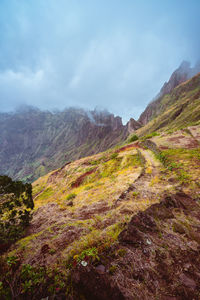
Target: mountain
[178,109]
[122,224]
[33,142]
[182,74]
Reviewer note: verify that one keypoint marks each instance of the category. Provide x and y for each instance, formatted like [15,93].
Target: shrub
[90,254]
[133,138]
[16,204]
[148,136]
[114,155]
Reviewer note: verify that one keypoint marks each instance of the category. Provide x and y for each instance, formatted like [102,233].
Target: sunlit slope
[179,109]
[87,202]
[89,180]
[84,213]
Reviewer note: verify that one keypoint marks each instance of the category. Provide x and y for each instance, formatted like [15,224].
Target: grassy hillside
[179,109]
[83,242]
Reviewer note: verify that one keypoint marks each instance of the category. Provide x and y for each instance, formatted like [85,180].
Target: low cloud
[61,54]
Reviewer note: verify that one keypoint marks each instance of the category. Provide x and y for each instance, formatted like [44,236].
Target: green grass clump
[121,252]
[133,138]
[110,167]
[71,196]
[114,155]
[149,136]
[90,254]
[112,269]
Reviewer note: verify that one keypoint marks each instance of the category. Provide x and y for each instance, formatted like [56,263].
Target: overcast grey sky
[114,54]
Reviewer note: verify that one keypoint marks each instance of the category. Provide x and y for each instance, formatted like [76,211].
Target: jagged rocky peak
[104,118]
[180,75]
[133,125]
[183,73]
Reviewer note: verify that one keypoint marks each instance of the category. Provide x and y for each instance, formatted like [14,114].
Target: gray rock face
[133,125]
[33,142]
[180,75]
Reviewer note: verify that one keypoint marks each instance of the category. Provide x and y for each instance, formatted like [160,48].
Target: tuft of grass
[112,269]
[133,138]
[71,196]
[150,135]
[114,155]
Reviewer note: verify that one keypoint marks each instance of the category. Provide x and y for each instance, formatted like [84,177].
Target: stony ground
[134,210]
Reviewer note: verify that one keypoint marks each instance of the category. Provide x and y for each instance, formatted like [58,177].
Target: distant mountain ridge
[33,142]
[180,75]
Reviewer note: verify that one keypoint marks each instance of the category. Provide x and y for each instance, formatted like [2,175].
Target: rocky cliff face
[133,125]
[177,110]
[183,73]
[34,142]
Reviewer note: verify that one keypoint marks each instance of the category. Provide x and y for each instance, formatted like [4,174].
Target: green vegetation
[46,193]
[150,135]
[16,204]
[121,252]
[179,109]
[114,155]
[71,196]
[89,255]
[133,138]
[29,282]
[112,269]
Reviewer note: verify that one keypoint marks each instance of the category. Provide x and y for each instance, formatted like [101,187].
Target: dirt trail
[149,185]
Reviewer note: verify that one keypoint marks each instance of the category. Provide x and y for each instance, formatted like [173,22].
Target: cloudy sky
[113,54]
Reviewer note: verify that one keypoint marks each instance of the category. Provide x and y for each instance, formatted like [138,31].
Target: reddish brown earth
[80,179]
[135,145]
[161,256]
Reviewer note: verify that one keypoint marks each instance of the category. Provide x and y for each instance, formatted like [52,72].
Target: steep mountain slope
[33,142]
[182,74]
[89,238]
[176,110]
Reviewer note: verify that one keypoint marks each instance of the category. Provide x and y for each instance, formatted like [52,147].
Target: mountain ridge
[34,142]
[176,110]
[183,73]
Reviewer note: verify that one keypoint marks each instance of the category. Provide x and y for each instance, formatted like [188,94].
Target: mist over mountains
[33,141]
[181,74]
[58,55]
